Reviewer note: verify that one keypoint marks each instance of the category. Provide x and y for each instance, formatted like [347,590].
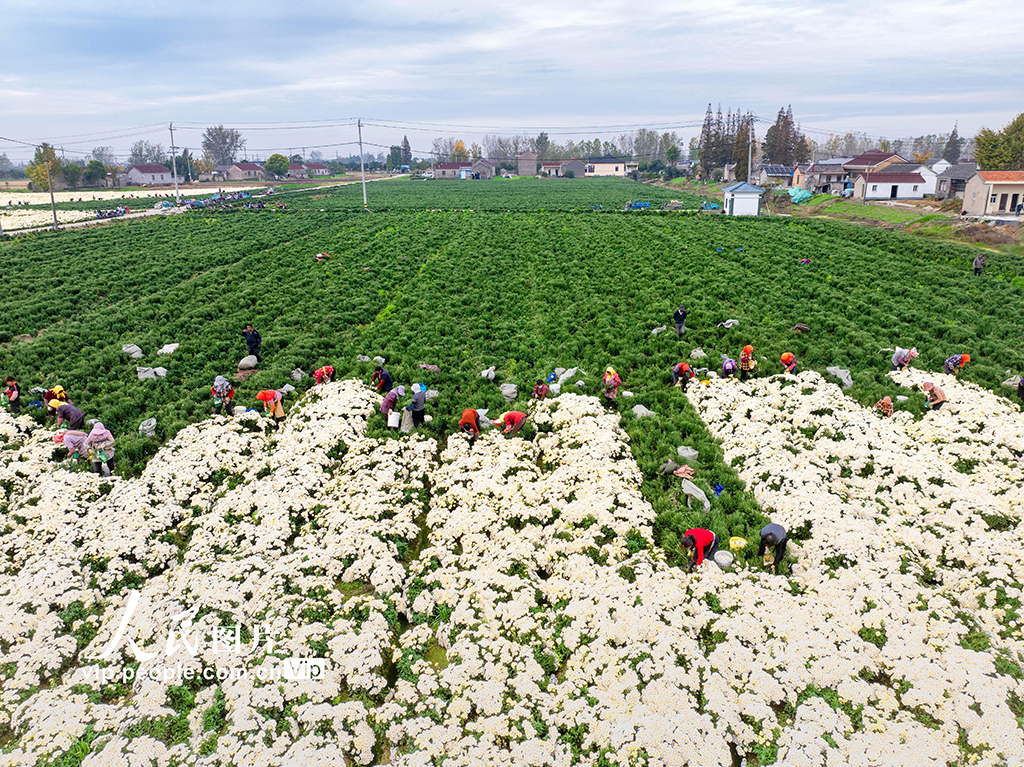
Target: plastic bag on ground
[148,428]
[379,360]
[728,324]
[168,348]
[488,373]
[698,354]
[509,392]
[662,329]
[692,491]
[132,351]
[298,374]
[432,394]
[248,362]
[362,358]
[641,412]
[842,374]
[687,453]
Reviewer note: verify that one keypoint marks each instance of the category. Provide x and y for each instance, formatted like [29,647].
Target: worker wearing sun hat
[902,357]
[67,411]
[513,421]
[788,360]
[954,363]
[936,397]
[884,406]
[272,400]
[747,362]
[56,393]
[610,383]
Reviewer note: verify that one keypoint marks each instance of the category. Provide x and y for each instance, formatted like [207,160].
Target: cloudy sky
[82,74]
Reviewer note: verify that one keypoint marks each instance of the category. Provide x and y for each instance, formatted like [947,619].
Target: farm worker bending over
[418,404]
[679,317]
[728,367]
[74,441]
[747,362]
[391,400]
[540,391]
[681,374]
[381,380]
[901,359]
[253,340]
[470,422]
[56,393]
[324,374]
[954,363]
[513,421]
[936,397]
[65,410]
[703,544]
[13,392]
[884,406]
[788,360]
[100,444]
[271,400]
[611,383]
[222,393]
[772,535]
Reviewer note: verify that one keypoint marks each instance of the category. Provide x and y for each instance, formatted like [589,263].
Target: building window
[616,168]
[915,187]
[874,187]
[992,200]
[942,186]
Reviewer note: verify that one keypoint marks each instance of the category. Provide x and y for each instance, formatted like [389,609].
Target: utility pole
[750,149]
[174,168]
[49,183]
[362,167]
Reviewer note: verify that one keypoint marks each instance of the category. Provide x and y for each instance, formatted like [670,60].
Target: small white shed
[742,199]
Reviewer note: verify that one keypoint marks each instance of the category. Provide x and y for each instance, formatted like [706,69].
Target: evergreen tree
[1003,150]
[951,153]
[706,147]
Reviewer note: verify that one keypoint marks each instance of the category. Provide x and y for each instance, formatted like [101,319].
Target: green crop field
[527,291]
[496,195]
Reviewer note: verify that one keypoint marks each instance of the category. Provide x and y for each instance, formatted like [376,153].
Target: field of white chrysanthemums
[501,603]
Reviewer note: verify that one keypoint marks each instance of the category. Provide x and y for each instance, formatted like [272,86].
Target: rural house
[776,175]
[871,161]
[952,181]
[246,171]
[574,169]
[296,171]
[926,172]
[829,176]
[526,163]
[729,173]
[889,186]
[742,199]
[994,192]
[149,174]
[453,170]
[551,168]
[483,169]
[317,169]
[608,165]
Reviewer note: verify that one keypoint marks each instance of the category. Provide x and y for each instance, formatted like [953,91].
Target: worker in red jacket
[513,421]
[681,374]
[788,360]
[702,543]
[470,422]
